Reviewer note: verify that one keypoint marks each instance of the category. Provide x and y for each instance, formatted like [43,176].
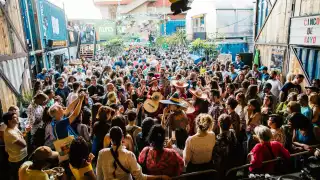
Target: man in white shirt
[276,84]
[15,144]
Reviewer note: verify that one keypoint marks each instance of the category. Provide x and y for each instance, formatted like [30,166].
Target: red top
[261,153]
[170,163]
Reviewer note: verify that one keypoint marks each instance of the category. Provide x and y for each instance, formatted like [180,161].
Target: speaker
[247,58]
[50,43]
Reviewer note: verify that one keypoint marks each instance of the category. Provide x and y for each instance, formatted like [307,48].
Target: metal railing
[239,167]
[195,174]
[269,161]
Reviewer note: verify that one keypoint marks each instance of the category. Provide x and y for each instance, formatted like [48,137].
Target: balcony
[133,5]
[111,2]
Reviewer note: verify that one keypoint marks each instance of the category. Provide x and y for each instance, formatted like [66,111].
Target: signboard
[59,43]
[52,22]
[305,31]
[105,29]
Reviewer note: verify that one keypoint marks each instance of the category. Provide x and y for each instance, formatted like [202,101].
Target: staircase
[86,51]
[134,4]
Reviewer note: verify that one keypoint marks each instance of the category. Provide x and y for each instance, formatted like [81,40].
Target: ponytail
[116,137]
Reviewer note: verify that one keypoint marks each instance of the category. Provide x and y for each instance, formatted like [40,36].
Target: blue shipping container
[52,21]
[172,26]
[232,48]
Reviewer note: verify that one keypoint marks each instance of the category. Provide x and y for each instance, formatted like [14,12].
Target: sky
[79,9]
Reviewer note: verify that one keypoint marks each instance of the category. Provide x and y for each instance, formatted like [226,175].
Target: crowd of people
[158,116]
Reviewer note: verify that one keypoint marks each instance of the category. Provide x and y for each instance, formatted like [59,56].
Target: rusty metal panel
[15,16]
[5,47]
[6,95]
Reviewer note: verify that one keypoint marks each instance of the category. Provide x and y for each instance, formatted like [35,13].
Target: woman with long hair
[241,109]
[80,160]
[314,105]
[37,87]
[159,160]
[101,128]
[118,163]
[252,93]
[253,119]
[266,109]
[127,139]
[141,138]
[47,83]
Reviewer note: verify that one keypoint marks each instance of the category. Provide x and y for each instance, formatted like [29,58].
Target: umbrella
[196,59]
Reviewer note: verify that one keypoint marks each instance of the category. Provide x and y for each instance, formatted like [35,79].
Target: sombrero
[312,88]
[199,94]
[179,83]
[153,80]
[151,105]
[173,100]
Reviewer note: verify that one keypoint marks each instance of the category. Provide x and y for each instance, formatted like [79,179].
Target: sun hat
[199,94]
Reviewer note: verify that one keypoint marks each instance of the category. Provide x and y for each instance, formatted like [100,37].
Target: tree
[204,48]
[114,47]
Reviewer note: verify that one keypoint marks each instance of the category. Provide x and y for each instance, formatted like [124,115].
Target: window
[198,24]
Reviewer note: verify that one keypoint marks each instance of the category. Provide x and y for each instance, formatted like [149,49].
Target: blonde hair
[204,122]
[290,77]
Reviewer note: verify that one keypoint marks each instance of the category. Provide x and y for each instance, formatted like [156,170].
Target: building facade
[287,36]
[14,66]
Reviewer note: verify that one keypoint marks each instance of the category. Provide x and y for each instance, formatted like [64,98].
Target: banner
[52,22]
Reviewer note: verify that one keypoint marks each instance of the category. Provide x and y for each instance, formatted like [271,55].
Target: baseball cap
[43,153]
[263,68]
[312,88]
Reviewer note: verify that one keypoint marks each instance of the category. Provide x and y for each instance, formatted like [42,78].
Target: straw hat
[153,80]
[199,94]
[179,83]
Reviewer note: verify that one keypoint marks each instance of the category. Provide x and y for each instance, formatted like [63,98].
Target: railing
[195,174]
[272,160]
[134,4]
[239,167]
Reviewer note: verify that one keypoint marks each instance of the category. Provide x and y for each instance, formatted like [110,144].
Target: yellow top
[79,173]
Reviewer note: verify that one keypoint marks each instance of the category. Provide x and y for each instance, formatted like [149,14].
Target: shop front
[305,46]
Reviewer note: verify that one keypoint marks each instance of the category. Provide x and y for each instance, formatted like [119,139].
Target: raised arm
[71,106]
[77,110]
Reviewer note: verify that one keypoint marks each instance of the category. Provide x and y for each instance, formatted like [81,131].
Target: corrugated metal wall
[307,7]
[275,30]
[232,48]
[172,26]
[14,62]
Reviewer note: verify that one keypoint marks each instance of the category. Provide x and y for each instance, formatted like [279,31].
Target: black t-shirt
[290,87]
[63,93]
[98,89]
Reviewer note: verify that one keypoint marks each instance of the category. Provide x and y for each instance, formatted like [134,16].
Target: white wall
[199,7]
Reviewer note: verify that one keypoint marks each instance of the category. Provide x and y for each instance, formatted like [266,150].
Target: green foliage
[177,39]
[203,46]
[26,98]
[114,47]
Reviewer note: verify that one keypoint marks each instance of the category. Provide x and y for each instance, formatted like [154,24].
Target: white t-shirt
[276,87]
[28,174]
[80,77]
[71,97]
[198,150]
[16,153]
